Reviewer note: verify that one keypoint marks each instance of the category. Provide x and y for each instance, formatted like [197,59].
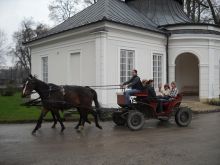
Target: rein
[101,86]
[108,87]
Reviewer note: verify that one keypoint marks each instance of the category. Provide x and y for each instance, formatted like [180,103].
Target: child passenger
[166,90]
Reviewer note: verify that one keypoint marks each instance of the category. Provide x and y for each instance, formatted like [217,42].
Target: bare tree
[61,10]
[2,47]
[90,2]
[27,33]
[213,11]
[41,29]
[203,10]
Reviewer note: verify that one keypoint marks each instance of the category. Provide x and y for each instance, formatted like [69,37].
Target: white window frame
[125,75]
[44,69]
[157,69]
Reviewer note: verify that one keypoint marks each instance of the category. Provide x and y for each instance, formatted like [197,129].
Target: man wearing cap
[134,84]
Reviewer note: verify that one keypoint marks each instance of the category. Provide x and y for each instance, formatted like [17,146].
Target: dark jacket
[150,91]
[134,83]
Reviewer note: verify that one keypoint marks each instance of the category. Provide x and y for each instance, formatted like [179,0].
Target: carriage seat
[140,94]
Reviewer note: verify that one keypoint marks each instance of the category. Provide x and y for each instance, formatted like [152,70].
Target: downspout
[168,34]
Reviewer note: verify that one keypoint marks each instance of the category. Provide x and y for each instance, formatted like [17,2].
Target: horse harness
[50,102]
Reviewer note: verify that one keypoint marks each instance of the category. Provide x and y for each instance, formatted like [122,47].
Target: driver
[135,86]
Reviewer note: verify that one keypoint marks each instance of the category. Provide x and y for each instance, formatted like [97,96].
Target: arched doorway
[187,74]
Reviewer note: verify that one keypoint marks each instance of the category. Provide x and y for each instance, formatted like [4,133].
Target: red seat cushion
[140,94]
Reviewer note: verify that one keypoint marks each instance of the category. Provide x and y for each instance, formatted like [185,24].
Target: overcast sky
[12,12]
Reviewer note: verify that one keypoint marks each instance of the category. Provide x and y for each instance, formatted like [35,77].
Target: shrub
[9,90]
[214,102]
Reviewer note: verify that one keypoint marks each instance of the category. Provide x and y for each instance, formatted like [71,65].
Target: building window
[126,64]
[157,69]
[45,69]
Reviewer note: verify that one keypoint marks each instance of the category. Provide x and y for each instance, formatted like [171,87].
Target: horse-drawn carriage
[54,98]
[144,107]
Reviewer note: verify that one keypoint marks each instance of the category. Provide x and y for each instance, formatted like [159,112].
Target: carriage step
[163,117]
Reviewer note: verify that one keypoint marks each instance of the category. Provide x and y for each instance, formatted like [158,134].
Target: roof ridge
[146,18]
[106,9]
[161,12]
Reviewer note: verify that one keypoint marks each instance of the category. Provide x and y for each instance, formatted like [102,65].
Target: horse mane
[42,82]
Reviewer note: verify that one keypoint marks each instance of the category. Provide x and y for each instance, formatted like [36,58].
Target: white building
[104,42]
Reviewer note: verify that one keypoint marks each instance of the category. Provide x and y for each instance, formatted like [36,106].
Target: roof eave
[158,31]
[188,24]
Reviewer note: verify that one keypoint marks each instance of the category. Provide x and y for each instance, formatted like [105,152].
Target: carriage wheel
[135,120]
[118,120]
[183,116]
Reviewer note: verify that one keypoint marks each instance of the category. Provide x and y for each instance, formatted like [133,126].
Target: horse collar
[25,87]
[50,89]
[62,90]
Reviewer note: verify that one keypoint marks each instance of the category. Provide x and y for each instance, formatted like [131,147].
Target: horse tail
[95,98]
[99,110]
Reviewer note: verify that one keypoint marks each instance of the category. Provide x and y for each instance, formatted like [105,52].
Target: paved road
[157,144]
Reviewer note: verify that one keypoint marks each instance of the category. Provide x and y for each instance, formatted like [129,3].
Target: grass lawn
[12,111]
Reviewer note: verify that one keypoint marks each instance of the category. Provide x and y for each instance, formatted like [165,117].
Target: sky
[12,12]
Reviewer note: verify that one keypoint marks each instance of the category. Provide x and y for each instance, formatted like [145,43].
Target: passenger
[144,82]
[135,84]
[166,90]
[150,89]
[151,93]
[159,92]
[174,90]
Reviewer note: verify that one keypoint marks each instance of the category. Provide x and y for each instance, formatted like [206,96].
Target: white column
[101,46]
[171,72]
[211,69]
[203,81]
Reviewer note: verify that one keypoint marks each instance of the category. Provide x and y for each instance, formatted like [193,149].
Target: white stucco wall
[100,57]
[59,69]
[143,43]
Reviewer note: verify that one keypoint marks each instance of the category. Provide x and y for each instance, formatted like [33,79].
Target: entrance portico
[187,74]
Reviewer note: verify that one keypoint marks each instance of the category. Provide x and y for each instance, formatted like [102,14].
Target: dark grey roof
[145,14]
[110,10]
[180,1]
[161,12]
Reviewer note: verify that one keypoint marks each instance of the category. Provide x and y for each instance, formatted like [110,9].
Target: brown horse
[55,98]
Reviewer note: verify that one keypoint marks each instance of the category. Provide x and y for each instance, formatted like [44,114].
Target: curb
[76,120]
[206,111]
[46,120]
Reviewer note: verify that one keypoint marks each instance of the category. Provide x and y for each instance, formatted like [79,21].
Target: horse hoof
[63,128]
[76,127]
[100,127]
[53,126]
[88,122]
[33,132]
